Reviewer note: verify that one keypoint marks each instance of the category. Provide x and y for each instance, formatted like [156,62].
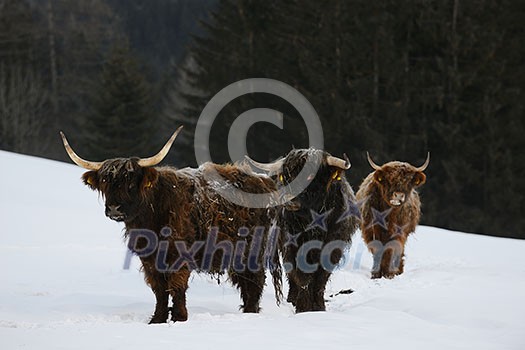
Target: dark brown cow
[390,210]
[151,198]
[318,224]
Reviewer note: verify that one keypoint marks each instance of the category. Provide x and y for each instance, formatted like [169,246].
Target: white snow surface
[63,286]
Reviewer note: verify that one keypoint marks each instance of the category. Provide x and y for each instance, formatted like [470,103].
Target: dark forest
[394,78]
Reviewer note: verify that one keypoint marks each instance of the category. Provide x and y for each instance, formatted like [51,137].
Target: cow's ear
[379,176]
[90,178]
[150,178]
[419,178]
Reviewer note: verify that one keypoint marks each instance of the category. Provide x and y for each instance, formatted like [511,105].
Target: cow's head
[123,182]
[321,179]
[396,180]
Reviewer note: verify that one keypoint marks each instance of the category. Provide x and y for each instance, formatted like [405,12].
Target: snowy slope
[63,286]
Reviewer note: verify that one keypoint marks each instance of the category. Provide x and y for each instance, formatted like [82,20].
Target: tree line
[97,70]
[393,78]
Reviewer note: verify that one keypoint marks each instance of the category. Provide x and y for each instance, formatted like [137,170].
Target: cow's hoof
[390,275]
[179,316]
[303,308]
[250,309]
[376,275]
[157,320]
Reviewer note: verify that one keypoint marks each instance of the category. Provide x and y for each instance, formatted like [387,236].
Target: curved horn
[424,166]
[269,167]
[338,162]
[157,158]
[371,162]
[86,164]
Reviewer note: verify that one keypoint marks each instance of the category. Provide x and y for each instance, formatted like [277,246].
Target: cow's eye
[131,186]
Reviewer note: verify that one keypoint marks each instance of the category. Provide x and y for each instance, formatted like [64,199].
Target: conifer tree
[123,120]
[24,96]
[239,42]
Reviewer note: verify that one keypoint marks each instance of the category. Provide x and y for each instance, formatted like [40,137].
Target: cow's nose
[397,199]
[113,210]
[400,196]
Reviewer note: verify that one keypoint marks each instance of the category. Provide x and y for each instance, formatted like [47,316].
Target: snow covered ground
[63,286]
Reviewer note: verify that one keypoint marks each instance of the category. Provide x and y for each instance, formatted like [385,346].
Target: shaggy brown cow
[152,198]
[317,226]
[390,210]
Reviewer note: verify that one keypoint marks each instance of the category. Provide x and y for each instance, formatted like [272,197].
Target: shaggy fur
[157,197]
[387,244]
[329,191]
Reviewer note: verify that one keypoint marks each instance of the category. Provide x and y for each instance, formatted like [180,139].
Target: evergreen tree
[24,96]
[123,120]
[238,43]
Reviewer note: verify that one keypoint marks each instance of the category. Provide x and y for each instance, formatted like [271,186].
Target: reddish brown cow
[390,210]
[151,198]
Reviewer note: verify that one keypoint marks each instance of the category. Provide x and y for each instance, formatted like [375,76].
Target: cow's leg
[251,285]
[303,281]
[371,237]
[387,263]
[398,263]
[320,279]
[401,268]
[290,263]
[159,285]
[318,288]
[293,290]
[377,271]
[310,296]
[304,300]
[161,307]
[392,263]
[178,284]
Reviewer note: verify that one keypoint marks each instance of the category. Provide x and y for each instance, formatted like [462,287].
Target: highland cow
[146,197]
[390,210]
[323,215]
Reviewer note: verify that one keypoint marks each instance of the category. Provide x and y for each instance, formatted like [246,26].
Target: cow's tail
[275,245]
[277,279]
[276,268]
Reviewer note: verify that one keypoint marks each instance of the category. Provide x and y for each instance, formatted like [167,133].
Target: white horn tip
[348,165]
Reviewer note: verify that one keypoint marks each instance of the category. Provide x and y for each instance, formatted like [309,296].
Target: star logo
[398,230]
[352,209]
[379,218]
[319,220]
[292,239]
